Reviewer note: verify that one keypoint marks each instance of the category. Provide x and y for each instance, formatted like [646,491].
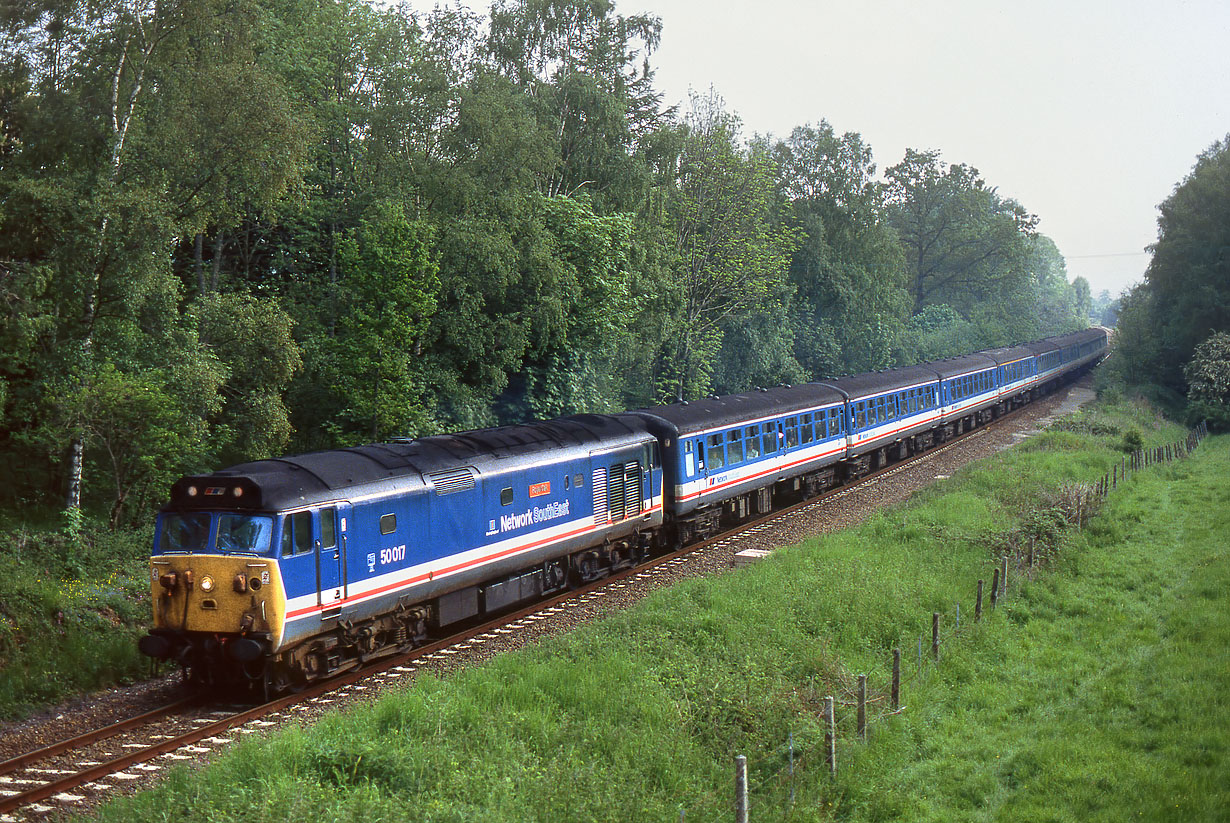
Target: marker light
[207,583]
[237,491]
[192,491]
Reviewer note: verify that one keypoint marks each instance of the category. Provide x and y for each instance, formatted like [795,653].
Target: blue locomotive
[278,572]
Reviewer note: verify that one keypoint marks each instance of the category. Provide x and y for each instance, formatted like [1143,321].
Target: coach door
[332,522]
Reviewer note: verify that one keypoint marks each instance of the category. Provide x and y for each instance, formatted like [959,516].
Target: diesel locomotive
[278,572]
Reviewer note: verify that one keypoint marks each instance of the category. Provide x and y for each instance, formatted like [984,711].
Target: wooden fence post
[994,588]
[978,603]
[896,691]
[935,635]
[830,737]
[740,789]
[1003,576]
[862,707]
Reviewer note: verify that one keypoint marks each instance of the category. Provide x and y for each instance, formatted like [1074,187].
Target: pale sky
[1088,113]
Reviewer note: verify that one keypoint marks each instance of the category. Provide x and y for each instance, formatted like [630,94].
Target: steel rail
[19,762]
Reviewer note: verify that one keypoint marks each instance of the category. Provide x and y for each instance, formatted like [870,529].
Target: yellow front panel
[221,610]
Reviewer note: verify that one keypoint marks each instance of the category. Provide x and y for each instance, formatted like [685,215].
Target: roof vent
[451,481]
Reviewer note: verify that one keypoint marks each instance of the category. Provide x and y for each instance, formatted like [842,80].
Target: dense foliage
[231,229]
[1184,302]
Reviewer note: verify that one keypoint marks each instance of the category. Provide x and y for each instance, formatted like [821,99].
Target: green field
[1096,691]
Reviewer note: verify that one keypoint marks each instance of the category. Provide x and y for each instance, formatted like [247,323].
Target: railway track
[76,771]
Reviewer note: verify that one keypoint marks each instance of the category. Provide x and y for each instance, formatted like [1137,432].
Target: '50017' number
[396,554]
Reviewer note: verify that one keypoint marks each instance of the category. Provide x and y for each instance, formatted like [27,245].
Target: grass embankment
[1100,692]
[1050,708]
[70,613]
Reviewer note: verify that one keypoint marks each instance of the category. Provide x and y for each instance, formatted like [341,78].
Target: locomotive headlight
[207,583]
[237,491]
[192,491]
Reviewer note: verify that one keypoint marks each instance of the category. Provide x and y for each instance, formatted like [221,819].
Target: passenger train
[279,572]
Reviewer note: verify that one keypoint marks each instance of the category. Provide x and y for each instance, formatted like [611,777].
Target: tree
[848,271]
[252,337]
[391,283]
[1188,278]
[964,243]
[587,71]
[1208,382]
[94,196]
[726,258]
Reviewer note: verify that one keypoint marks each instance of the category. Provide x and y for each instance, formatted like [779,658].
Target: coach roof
[880,382]
[733,409]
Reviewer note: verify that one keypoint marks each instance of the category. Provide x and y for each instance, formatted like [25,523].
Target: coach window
[734,447]
[858,417]
[792,432]
[752,433]
[506,497]
[715,456]
[769,439]
[807,431]
[689,458]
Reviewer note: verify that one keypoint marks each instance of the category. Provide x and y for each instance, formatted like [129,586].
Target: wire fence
[857,707]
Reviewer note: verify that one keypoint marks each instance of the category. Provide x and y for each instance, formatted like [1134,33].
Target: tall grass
[70,613]
[638,717]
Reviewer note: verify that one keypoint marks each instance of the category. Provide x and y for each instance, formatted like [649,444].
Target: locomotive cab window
[328,528]
[296,533]
[506,496]
[245,533]
[388,523]
[183,532]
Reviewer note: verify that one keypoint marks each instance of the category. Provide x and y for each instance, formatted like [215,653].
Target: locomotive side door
[330,546]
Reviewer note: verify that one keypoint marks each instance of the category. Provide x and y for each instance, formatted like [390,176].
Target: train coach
[274,573]
[725,458]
